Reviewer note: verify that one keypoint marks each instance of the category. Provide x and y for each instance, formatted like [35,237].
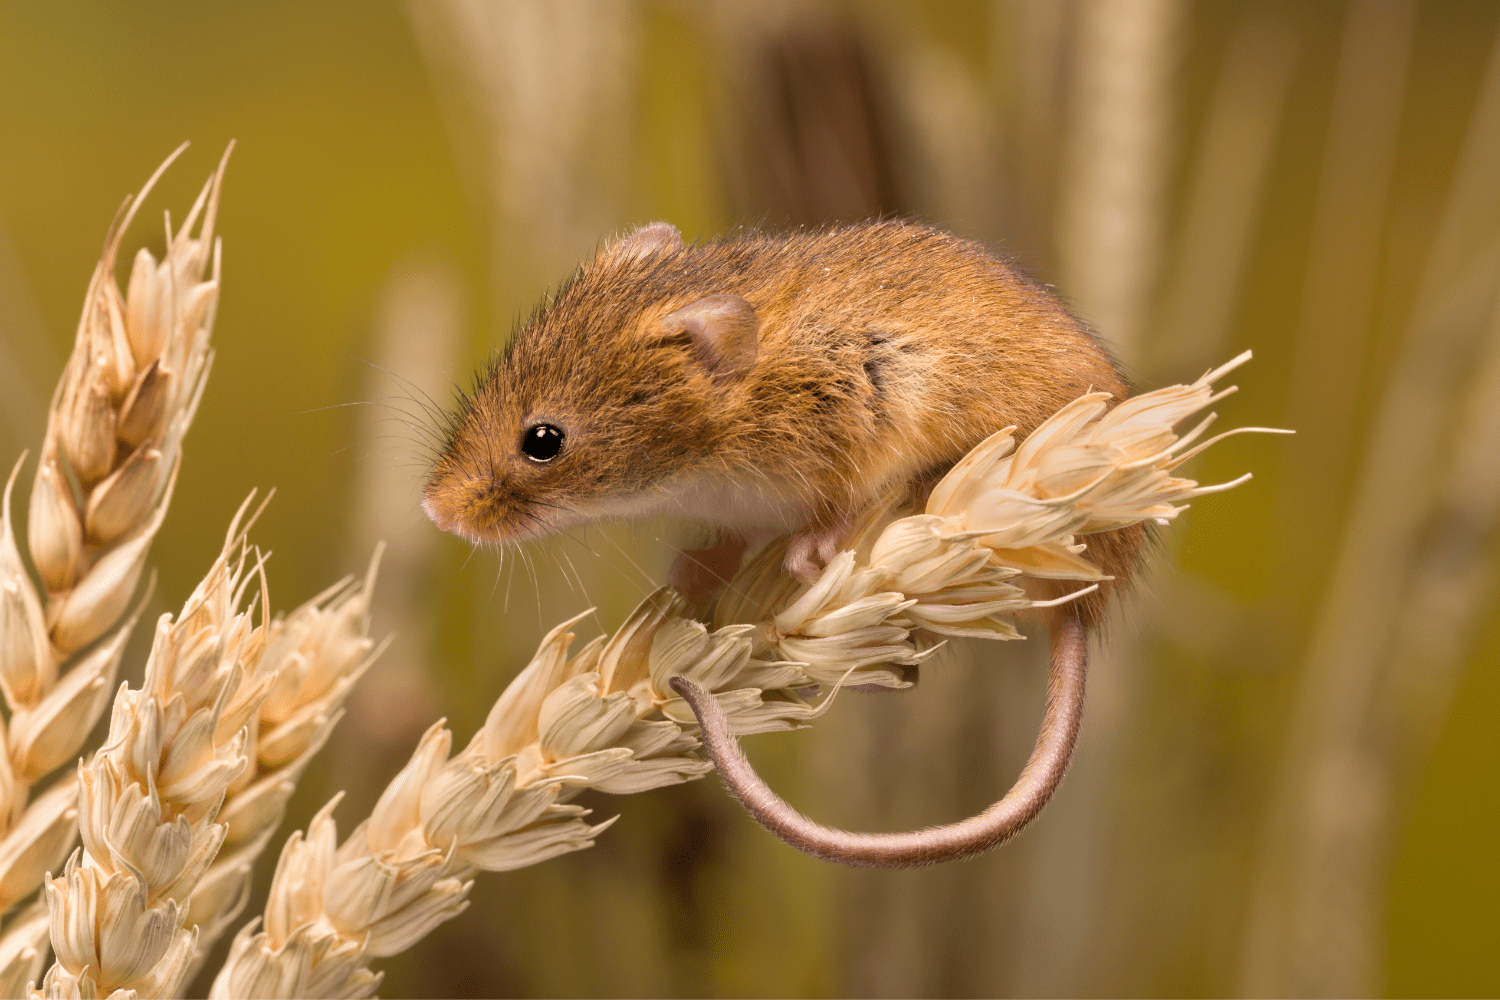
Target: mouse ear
[651,237]
[724,329]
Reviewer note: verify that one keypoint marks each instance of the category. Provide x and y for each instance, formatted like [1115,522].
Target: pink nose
[435,513]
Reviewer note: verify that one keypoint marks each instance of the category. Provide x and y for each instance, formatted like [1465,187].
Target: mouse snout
[440,513]
[480,508]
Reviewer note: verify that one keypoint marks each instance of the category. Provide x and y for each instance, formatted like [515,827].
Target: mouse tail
[997,824]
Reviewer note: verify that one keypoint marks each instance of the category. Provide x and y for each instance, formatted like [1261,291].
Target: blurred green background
[1287,780]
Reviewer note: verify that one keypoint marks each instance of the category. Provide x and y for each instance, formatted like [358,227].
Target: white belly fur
[756,510]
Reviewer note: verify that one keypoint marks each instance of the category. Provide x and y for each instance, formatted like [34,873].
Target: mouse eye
[542,442]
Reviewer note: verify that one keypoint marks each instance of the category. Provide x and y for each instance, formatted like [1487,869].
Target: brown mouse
[765,384]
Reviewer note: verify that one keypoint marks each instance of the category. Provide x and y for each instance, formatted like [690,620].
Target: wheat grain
[607,717]
[115,428]
[174,811]
[109,461]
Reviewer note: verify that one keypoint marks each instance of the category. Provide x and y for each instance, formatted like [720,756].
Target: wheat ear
[109,459]
[608,718]
[194,775]
[149,799]
[115,429]
[315,655]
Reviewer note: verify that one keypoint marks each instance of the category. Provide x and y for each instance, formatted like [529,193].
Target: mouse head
[608,395]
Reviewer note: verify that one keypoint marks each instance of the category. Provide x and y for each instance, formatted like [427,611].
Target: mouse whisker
[536,590]
[498,567]
[509,579]
[429,423]
[465,565]
[428,437]
[652,580]
[582,586]
[608,562]
[551,555]
[426,402]
[728,585]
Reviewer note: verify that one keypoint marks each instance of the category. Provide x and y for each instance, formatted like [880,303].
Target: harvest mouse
[766,384]
[760,385]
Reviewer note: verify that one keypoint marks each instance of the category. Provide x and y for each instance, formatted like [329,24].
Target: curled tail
[997,824]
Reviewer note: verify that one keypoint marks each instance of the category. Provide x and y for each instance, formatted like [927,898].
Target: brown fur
[886,351]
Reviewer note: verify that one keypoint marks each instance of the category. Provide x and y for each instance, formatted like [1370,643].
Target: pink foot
[822,541]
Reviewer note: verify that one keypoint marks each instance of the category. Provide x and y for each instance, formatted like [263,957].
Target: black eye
[542,442]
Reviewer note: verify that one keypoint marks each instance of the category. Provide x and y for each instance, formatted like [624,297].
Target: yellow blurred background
[1287,781]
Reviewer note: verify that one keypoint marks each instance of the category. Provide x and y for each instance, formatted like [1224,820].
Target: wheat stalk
[108,463]
[608,717]
[1111,214]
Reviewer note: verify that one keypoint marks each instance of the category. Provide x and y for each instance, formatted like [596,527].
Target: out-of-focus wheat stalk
[550,83]
[417,334]
[1344,262]
[1223,200]
[1111,218]
[1313,923]
[103,482]
[607,717]
[1112,221]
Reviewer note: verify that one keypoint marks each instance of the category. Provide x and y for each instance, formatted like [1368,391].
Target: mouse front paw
[810,541]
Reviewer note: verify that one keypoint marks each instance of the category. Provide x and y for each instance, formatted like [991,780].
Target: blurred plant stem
[1112,215]
[1315,918]
[1224,198]
[1337,303]
[1112,225]
[419,327]
[537,90]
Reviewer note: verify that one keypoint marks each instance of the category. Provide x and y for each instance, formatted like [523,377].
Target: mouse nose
[457,504]
[478,509]
[436,514]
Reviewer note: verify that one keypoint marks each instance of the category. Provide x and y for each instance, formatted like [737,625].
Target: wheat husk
[23,950]
[117,420]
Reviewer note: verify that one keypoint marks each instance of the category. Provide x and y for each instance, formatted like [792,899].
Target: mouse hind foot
[820,540]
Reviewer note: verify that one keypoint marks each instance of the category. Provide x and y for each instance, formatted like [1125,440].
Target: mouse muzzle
[483,509]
